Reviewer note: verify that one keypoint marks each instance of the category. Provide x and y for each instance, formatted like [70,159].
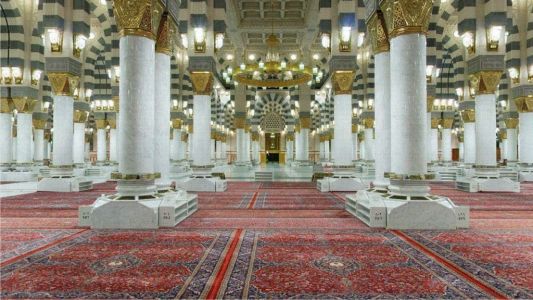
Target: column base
[161,210]
[381,184]
[64,184]
[18,175]
[342,183]
[302,163]
[386,210]
[487,179]
[525,172]
[202,183]
[247,164]
[23,167]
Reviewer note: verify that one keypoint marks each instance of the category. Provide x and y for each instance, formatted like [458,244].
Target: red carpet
[266,240]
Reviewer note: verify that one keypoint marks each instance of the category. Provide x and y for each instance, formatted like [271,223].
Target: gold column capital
[6,105]
[137,17]
[184,137]
[165,31]
[80,116]
[239,122]
[297,127]
[202,83]
[190,128]
[447,123]
[355,128]
[406,16]
[503,135]
[342,82]
[429,101]
[368,123]
[39,123]
[435,123]
[24,104]
[176,123]
[112,123]
[378,33]
[524,104]
[511,123]
[469,116]
[485,82]
[100,124]
[289,136]
[461,138]
[255,136]
[305,122]
[63,84]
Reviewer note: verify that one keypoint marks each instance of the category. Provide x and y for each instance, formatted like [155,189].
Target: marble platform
[383,210]
[18,176]
[64,184]
[342,183]
[202,183]
[161,210]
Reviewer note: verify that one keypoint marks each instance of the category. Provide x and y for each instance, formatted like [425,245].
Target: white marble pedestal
[202,183]
[64,184]
[163,210]
[382,210]
[18,176]
[487,180]
[342,183]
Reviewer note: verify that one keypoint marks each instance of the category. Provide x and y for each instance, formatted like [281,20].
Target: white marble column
[176,143]
[302,154]
[327,151]
[218,151]
[369,144]
[241,144]
[486,130]
[511,150]
[526,138]
[6,147]
[87,151]
[322,149]
[78,144]
[24,140]
[161,117]
[63,134]
[38,145]
[446,145]
[461,151]
[224,151]
[201,154]
[297,145]
[408,109]
[101,145]
[382,123]
[213,149]
[136,118]
[434,144]
[113,145]
[342,147]
[182,146]
[189,145]
[470,143]
[355,144]
[255,150]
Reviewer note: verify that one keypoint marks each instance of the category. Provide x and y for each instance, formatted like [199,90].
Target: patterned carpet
[266,240]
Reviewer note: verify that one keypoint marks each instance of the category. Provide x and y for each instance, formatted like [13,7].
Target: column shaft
[342,147]
[113,151]
[526,138]
[446,144]
[63,131]
[38,144]
[101,142]
[201,154]
[486,130]
[369,144]
[79,143]
[470,143]
[24,141]
[382,149]
[6,138]
[162,118]
[512,145]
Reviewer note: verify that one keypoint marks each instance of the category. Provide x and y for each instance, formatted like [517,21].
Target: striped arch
[16,44]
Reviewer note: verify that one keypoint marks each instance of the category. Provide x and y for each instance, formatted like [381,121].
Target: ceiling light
[316,56]
[251,57]
[294,56]
[229,57]
[325,40]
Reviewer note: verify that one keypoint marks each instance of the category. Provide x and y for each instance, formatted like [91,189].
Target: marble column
[162,110]
[408,110]
[101,144]
[113,144]
[38,145]
[525,109]
[355,143]
[369,144]
[342,145]
[382,111]
[447,140]
[461,149]
[24,140]
[176,144]
[241,143]
[5,135]
[213,147]
[322,149]
[297,144]
[327,152]
[218,152]
[202,85]
[62,138]
[189,145]
[434,140]
[78,146]
[512,140]
[302,154]
[469,138]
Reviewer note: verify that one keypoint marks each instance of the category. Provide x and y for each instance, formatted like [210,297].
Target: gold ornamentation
[297,127]
[80,116]
[305,122]
[148,176]
[524,104]
[135,17]
[503,135]
[255,136]
[394,176]
[429,101]
[39,123]
[342,82]
[447,123]
[461,138]
[184,137]
[112,123]
[406,16]
[6,105]
[435,123]
[368,123]
[202,83]
[23,104]
[511,123]
[176,123]
[163,42]
[240,122]
[63,84]
[100,124]
[469,116]
[485,82]
[190,128]
[355,128]
[378,33]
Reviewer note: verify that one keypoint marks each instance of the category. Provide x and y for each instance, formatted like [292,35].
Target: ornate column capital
[447,123]
[239,122]
[165,31]
[202,83]
[511,123]
[305,122]
[406,16]
[435,123]
[378,33]
[176,123]
[112,123]
[368,123]
[469,116]
[524,104]
[100,124]
[23,104]
[355,128]
[6,105]
[80,116]
[139,17]
[342,82]
[63,84]
[485,82]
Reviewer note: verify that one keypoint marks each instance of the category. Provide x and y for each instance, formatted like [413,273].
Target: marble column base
[167,210]
[487,180]
[64,184]
[342,183]
[18,176]
[202,183]
[385,210]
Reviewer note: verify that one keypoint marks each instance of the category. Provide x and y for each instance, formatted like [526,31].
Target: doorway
[272,147]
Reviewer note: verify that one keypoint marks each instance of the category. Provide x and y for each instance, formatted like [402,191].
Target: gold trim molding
[23,104]
[378,34]
[469,116]
[342,82]
[165,31]
[511,123]
[305,122]
[524,104]
[447,123]
[63,84]
[485,82]
[136,17]
[80,116]
[406,16]
[39,123]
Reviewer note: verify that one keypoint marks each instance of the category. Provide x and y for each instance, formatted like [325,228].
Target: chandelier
[273,72]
